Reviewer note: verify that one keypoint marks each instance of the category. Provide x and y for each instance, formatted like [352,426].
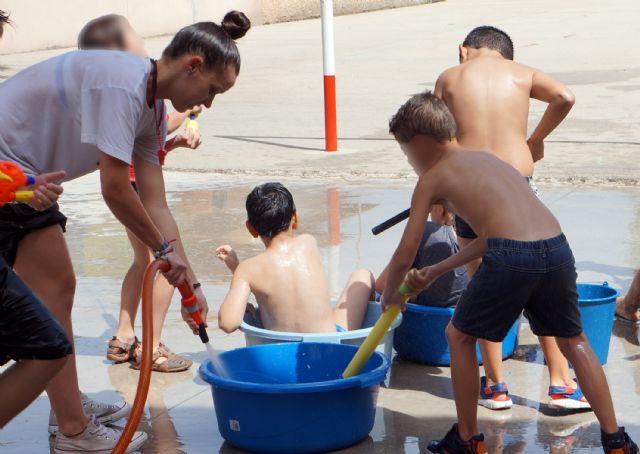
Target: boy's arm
[560,98]
[227,255]
[405,253]
[381,282]
[235,303]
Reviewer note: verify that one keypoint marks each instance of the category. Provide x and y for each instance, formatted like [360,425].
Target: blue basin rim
[365,379]
[615,293]
[449,310]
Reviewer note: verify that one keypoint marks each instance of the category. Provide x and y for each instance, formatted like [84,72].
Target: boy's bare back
[489,98]
[493,198]
[290,286]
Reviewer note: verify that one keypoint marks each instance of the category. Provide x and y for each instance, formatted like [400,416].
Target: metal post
[329,70]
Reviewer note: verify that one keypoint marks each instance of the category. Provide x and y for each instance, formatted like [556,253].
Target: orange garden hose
[189,301]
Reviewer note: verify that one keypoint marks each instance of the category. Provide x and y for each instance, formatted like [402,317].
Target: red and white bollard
[329,70]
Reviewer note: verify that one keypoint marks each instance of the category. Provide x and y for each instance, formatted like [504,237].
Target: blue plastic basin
[421,336]
[290,398]
[597,308]
[255,334]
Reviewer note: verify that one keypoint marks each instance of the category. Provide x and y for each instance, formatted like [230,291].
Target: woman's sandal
[172,363]
[121,352]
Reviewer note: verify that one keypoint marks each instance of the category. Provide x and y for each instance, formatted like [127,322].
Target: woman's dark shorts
[17,220]
[538,277]
[27,328]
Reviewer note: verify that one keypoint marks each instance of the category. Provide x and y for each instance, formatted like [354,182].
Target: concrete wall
[290,10]
[42,24]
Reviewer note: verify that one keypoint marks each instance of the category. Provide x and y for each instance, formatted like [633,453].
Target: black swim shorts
[27,328]
[538,277]
[18,220]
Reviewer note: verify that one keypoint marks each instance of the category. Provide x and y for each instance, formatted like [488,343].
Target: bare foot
[623,311]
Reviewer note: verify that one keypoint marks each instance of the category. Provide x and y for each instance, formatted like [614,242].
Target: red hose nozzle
[190,304]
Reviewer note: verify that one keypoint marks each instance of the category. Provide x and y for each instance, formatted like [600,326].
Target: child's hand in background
[194,110]
[228,256]
[191,138]
[194,138]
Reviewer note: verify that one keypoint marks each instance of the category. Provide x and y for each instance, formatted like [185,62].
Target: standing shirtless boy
[488,95]
[527,265]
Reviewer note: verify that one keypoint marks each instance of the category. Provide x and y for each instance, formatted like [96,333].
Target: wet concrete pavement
[602,226]
[271,122]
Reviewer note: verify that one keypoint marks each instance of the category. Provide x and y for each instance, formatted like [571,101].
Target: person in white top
[102,110]
[114,32]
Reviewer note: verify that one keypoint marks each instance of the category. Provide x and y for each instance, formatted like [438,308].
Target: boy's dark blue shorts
[538,277]
[27,328]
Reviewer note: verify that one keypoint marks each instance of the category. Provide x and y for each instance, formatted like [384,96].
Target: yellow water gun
[191,122]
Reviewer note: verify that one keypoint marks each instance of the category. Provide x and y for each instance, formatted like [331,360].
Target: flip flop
[624,319]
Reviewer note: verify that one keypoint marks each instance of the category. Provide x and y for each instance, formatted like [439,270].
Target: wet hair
[4,20]
[270,209]
[423,114]
[103,32]
[214,43]
[491,38]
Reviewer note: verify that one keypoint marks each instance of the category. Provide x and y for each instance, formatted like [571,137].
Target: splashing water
[216,362]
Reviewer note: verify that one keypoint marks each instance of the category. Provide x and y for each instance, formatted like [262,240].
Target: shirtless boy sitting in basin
[288,279]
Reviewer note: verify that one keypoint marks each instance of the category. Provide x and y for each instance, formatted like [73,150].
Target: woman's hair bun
[236,24]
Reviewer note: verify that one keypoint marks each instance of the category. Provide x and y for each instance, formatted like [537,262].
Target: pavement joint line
[184,401]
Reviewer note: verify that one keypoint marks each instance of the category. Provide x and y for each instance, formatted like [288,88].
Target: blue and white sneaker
[567,398]
[494,397]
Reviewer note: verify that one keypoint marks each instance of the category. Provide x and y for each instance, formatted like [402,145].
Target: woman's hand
[203,307]
[177,272]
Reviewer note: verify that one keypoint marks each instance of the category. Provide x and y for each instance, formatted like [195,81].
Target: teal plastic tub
[255,334]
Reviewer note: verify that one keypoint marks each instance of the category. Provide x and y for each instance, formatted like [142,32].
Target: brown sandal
[121,352]
[173,362]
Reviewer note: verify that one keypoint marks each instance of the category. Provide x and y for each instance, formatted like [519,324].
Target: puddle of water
[603,227]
